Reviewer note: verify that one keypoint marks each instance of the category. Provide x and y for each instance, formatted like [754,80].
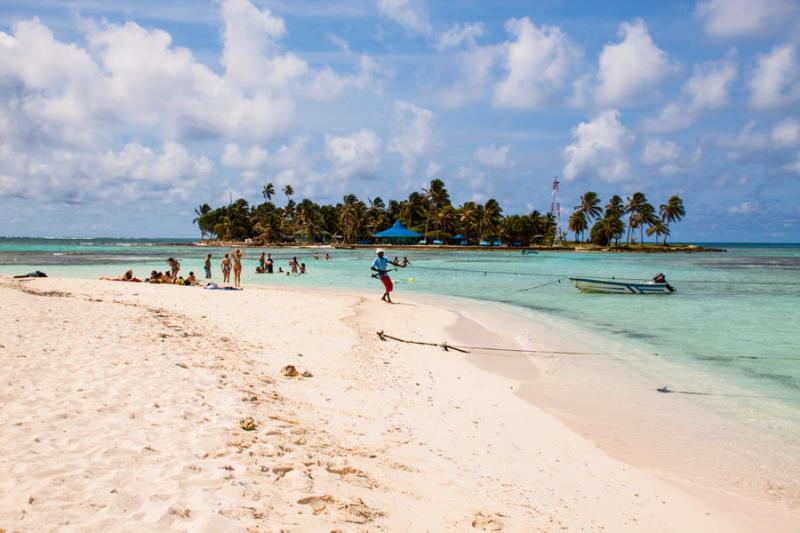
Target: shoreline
[647,249]
[448,386]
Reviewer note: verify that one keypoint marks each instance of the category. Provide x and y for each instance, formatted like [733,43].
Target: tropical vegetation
[430,212]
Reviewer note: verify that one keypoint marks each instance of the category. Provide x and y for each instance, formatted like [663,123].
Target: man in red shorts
[380,267]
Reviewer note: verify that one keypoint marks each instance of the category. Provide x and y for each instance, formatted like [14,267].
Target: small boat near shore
[613,286]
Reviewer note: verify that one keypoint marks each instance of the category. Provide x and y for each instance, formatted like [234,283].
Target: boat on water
[529,252]
[614,286]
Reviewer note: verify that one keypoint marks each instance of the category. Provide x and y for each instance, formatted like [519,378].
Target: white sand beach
[122,406]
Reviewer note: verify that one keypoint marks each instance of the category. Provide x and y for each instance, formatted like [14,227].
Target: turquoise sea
[733,324]
[736,311]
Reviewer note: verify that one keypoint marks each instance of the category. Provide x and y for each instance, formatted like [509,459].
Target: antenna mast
[555,210]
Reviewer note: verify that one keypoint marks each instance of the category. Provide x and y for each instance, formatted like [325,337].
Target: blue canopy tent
[397,234]
[460,240]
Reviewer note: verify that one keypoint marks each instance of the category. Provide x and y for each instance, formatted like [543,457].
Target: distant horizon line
[195,239]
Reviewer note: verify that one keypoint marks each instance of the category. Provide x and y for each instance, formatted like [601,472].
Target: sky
[119,117]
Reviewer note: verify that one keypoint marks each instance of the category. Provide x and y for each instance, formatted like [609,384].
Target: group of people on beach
[232,262]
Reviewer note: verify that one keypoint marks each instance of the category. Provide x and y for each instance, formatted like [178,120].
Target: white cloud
[328,86]
[657,151]
[234,157]
[663,154]
[492,155]
[776,79]
[414,140]
[356,155]
[67,109]
[786,133]
[743,208]
[250,52]
[743,18]
[116,176]
[411,14]
[458,34]
[475,66]
[707,89]
[631,68]
[599,149]
[794,166]
[537,64]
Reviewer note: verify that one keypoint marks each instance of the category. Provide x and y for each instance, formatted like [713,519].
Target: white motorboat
[614,286]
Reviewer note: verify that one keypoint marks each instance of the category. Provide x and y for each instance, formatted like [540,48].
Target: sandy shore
[122,409]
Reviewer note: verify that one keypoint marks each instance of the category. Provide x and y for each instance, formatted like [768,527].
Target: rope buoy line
[665,390]
[465,349]
[562,276]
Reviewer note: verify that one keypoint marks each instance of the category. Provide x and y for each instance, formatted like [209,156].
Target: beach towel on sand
[215,287]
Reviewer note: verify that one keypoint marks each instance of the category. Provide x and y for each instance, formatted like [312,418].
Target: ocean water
[734,320]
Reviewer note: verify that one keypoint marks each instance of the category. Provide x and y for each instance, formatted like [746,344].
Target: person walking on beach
[226,269]
[207,266]
[174,267]
[380,266]
[237,268]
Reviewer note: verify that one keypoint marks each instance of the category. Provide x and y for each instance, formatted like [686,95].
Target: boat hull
[621,287]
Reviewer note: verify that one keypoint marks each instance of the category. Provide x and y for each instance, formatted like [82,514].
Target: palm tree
[658,228]
[673,211]
[202,212]
[268,191]
[590,206]
[437,197]
[577,223]
[615,206]
[288,191]
[376,214]
[633,207]
[351,217]
[469,217]
[490,221]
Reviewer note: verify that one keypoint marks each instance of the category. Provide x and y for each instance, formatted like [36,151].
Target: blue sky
[117,118]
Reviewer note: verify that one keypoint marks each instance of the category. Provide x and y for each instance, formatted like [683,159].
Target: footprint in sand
[486,521]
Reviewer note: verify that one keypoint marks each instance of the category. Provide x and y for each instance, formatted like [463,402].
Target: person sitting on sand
[226,269]
[127,276]
[207,266]
[167,278]
[191,280]
[380,266]
[237,267]
[174,267]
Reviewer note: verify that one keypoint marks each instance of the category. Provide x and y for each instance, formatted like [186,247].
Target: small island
[428,218]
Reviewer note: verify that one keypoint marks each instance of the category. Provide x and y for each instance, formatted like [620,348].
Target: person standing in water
[207,266]
[226,269]
[174,267]
[237,268]
[380,266]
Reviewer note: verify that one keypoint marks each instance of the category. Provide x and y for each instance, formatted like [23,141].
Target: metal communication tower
[555,210]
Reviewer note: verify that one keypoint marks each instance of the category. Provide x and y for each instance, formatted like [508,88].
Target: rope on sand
[465,349]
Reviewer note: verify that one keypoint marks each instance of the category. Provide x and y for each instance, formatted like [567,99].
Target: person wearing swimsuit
[226,269]
[237,268]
